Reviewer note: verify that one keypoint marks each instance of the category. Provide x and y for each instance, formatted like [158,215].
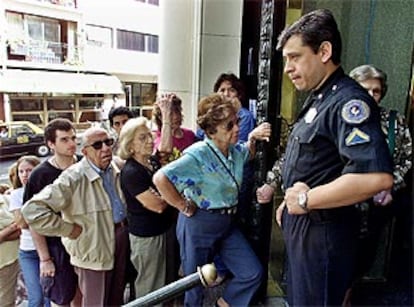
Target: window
[148,93]
[20,129]
[140,98]
[130,40]
[34,118]
[99,36]
[60,104]
[152,43]
[15,26]
[31,104]
[33,38]
[154,2]
[58,107]
[43,29]
[89,106]
[80,109]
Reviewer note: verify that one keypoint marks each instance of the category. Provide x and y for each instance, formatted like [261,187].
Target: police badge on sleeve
[355,111]
[357,136]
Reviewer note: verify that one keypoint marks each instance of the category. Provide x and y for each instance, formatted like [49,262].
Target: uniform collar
[329,84]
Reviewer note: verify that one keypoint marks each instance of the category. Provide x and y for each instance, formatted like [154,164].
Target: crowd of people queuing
[145,207]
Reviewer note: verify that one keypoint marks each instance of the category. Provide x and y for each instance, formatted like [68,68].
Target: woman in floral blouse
[203,185]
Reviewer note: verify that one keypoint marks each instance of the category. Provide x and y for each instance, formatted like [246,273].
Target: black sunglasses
[229,126]
[98,144]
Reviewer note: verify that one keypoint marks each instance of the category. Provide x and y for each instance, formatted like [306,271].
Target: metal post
[268,109]
[205,276]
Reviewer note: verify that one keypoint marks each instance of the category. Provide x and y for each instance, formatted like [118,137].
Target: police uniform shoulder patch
[357,137]
[355,111]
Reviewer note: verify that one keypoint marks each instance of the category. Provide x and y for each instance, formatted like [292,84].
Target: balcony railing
[66,3]
[45,52]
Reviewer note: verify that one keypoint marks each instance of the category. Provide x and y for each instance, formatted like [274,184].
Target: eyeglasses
[229,126]
[145,137]
[98,144]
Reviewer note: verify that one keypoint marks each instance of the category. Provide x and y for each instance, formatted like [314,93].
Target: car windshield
[20,129]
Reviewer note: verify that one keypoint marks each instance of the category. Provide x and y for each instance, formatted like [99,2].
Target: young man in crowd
[57,275]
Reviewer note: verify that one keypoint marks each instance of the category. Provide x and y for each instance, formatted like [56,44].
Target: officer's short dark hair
[314,28]
[62,124]
[119,111]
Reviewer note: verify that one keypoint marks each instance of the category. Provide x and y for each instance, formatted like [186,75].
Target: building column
[198,41]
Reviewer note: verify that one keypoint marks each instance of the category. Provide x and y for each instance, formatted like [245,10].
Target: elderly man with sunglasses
[85,206]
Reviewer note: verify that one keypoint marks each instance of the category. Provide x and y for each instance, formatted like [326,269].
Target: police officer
[336,156]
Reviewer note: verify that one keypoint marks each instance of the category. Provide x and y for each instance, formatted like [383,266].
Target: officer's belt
[332,215]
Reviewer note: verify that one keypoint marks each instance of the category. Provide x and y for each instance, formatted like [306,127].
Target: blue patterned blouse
[200,175]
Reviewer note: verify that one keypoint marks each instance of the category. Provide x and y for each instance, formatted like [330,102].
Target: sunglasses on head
[229,126]
[98,144]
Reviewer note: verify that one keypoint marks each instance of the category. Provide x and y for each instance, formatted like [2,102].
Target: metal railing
[66,3]
[205,276]
[46,52]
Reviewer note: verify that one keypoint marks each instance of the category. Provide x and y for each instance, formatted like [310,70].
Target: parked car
[22,137]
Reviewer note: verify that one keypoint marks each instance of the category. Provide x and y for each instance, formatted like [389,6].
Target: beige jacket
[79,196]
[8,249]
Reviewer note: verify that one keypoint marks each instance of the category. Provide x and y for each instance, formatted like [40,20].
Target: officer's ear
[325,51]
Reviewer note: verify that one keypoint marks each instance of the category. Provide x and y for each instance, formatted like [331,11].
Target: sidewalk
[212,294]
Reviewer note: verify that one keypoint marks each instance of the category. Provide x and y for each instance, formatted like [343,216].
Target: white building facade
[64,58]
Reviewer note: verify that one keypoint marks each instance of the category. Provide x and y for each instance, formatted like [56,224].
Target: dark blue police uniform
[337,132]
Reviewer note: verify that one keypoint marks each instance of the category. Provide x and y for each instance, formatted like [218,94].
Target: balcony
[66,3]
[44,52]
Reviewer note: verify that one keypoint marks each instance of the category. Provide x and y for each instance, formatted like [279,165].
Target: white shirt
[16,203]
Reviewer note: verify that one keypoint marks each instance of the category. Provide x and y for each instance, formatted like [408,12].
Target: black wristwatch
[303,201]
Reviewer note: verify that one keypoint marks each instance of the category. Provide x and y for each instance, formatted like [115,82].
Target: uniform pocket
[302,150]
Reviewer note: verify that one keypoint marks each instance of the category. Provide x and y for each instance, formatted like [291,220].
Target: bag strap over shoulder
[391,131]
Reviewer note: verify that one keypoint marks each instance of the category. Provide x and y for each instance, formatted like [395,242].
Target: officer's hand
[264,194]
[292,198]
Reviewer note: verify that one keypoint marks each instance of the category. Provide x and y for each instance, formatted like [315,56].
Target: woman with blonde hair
[28,257]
